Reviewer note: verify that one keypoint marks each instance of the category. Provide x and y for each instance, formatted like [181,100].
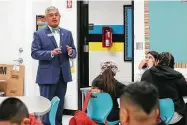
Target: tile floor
[65,119]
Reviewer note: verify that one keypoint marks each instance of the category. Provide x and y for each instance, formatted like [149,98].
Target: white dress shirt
[56,35]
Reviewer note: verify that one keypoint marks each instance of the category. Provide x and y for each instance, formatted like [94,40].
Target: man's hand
[70,51]
[56,51]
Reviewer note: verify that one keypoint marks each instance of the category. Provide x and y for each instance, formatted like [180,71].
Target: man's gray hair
[50,8]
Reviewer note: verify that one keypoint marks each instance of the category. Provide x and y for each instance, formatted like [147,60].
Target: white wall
[14,34]
[138,32]
[108,13]
[139,37]
[17,26]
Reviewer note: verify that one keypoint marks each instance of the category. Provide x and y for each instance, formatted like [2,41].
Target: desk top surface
[35,104]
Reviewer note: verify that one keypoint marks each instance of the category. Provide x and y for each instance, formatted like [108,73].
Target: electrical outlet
[139,45]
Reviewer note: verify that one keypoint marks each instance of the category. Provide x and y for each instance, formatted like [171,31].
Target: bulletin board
[165,29]
[40,22]
[128,32]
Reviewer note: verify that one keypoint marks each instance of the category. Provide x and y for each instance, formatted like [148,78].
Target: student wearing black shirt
[170,84]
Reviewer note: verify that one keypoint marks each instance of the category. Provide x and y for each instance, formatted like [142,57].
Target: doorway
[87,28]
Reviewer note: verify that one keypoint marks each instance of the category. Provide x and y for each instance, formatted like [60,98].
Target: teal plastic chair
[167,109]
[99,107]
[54,106]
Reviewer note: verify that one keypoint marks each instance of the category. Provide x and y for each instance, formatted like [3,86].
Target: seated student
[106,82]
[14,112]
[170,84]
[150,60]
[139,105]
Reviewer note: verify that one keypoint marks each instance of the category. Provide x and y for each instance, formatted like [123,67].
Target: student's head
[152,58]
[166,59]
[108,71]
[52,16]
[13,112]
[139,104]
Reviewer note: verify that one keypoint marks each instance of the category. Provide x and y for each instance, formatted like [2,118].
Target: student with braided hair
[106,82]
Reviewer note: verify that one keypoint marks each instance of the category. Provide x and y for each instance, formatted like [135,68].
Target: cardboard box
[14,80]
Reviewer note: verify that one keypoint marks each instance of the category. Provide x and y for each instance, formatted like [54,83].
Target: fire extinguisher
[107,37]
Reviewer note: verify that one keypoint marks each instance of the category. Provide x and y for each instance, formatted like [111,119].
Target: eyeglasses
[53,15]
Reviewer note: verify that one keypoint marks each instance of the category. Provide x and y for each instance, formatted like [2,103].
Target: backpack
[34,121]
[80,117]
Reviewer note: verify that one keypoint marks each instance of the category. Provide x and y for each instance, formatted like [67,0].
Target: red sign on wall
[69,3]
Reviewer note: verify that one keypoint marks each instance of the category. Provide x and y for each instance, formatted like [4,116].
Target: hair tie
[109,65]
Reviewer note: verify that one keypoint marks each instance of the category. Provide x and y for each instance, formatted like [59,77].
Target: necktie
[55,30]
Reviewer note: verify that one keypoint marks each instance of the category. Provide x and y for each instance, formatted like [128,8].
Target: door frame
[82,47]
[83,57]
